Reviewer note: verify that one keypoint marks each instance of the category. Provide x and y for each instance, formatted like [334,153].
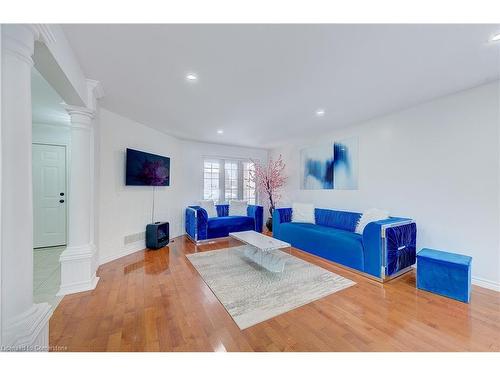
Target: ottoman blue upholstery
[444,273]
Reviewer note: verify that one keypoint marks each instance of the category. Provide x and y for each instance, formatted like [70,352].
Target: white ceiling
[46,102]
[263,83]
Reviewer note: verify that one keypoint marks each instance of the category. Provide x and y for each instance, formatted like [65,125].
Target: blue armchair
[200,227]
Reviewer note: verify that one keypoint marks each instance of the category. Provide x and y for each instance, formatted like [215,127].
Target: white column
[79,260]
[24,324]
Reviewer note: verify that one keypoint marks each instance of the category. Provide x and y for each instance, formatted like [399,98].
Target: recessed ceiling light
[191,77]
[220,131]
[495,38]
[320,112]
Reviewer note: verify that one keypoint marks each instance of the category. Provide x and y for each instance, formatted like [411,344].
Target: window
[225,179]
[248,185]
[231,180]
[211,175]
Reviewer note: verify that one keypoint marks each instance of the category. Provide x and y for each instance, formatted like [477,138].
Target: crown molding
[96,88]
[94,92]
[44,33]
[19,41]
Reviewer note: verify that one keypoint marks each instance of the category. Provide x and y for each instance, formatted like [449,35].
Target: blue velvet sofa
[386,248]
[200,227]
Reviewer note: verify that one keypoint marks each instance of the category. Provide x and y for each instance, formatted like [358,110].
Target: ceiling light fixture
[320,112]
[191,77]
[495,38]
[220,131]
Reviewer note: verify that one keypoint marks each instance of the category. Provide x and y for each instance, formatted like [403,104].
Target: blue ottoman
[444,273]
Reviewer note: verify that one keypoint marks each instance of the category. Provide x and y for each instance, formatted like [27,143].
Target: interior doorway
[51,149]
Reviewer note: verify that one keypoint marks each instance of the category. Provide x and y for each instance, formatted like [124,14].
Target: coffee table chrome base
[262,249]
[267,260]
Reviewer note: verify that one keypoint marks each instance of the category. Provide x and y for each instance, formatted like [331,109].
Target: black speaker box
[157,235]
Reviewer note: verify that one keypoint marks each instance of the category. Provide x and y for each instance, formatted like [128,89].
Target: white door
[49,195]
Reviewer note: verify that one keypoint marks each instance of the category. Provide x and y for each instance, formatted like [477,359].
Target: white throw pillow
[209,206]
[238,208]
[303,213]
[373,214]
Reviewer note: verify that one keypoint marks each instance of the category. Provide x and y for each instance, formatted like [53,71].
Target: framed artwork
[330,166]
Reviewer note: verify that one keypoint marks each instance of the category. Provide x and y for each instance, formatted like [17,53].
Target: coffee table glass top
[261,249]
[259,240]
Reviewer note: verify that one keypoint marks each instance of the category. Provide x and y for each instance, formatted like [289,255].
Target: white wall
[193,154]
[125,210]
[437,163]
[52,134]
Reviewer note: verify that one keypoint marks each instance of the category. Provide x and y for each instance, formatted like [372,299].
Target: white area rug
[251,294]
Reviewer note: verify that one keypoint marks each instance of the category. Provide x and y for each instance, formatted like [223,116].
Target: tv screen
[147,169]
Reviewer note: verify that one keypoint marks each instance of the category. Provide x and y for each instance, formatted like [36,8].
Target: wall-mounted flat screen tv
[147,169]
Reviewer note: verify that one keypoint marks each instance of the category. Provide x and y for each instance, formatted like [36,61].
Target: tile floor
[47,275]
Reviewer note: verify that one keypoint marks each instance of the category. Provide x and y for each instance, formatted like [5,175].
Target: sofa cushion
[303,213]
[209,206]
[238,207]
[337,219]
[222,226]
[337,245]
[373,214]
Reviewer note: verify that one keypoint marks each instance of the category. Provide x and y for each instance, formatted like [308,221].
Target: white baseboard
[130,249]
[78,286]
[488,284]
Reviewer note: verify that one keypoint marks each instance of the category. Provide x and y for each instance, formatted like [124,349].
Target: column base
[78,287]
[29,332]
[78,269]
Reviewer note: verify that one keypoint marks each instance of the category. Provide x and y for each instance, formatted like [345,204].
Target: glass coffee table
[262,249]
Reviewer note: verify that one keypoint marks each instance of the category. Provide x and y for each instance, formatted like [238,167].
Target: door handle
[61,194]
[61,201]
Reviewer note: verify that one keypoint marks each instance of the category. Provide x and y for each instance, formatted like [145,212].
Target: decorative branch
[269,179]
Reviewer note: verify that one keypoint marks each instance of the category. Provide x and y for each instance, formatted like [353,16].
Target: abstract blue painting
[330,166]
[317,167]
[345,164]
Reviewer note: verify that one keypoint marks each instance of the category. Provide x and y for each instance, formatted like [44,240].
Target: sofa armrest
[280,215]
[257,212]
[373,244]
[196,223]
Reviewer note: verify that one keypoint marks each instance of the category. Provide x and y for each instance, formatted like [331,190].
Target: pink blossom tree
[269,180]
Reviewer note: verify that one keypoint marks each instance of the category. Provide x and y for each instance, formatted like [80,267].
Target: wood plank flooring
[156,301]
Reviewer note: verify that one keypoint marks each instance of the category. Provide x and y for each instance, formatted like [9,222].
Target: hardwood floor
[156,301]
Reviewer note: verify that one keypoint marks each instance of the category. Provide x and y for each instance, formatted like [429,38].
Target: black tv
[145,169]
